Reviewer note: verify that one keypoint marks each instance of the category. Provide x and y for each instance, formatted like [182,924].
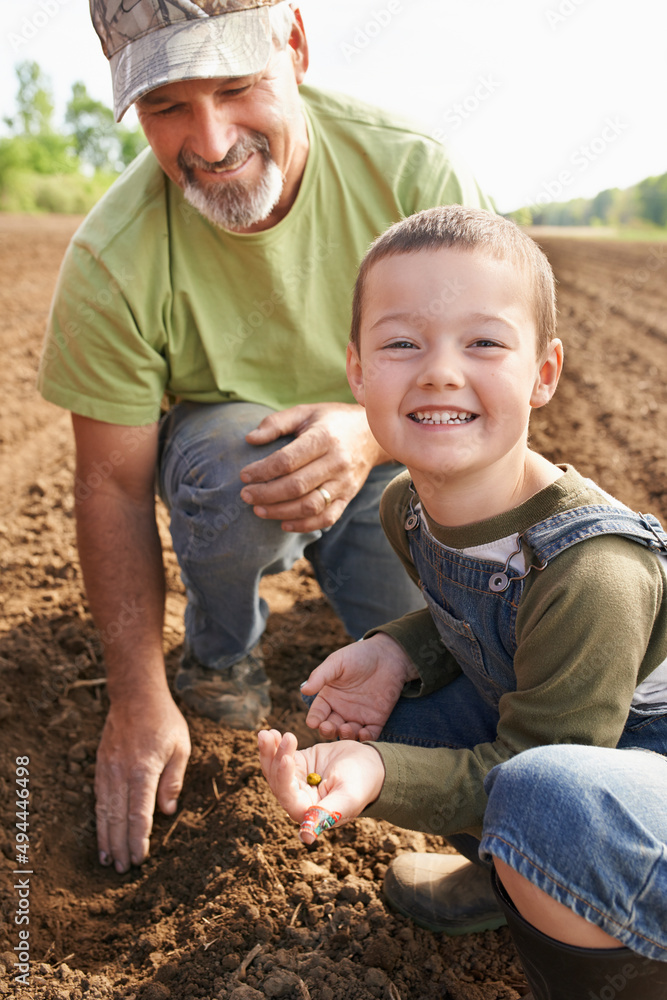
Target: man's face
[238,146]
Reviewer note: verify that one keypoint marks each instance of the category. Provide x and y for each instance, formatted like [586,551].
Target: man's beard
[234,204]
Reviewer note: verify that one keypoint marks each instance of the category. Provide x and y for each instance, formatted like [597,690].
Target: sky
[547,100]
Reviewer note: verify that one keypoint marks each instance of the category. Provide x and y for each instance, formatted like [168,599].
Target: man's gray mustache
[238,152]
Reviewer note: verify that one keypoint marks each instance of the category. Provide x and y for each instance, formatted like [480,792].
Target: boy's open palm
[352,775]
[357,688]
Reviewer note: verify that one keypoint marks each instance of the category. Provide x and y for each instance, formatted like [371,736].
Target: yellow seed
[314,779]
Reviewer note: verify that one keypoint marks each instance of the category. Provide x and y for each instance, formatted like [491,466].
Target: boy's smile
[447,368]
[450,417]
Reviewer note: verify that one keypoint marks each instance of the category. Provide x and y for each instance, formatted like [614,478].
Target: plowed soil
[230,904]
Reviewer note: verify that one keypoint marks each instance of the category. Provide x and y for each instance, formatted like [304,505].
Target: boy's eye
[483,342]
[399,344]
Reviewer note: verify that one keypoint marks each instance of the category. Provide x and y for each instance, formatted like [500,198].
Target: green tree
[653,199]
[41,166]
[34,146]
[132,141]
[99,142]
[522,216]
[34,101]
[602,205]
[93,129]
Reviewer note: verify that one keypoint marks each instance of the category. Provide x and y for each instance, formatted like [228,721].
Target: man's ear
[354,374]
[548,375]
[298,43]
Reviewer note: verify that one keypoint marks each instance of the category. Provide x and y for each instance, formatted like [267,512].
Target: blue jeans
[588,825]
[224,549]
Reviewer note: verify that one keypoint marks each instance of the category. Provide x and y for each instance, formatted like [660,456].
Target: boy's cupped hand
[357,687]
[352,776]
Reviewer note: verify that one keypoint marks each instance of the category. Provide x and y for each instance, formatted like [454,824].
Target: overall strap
[561,531]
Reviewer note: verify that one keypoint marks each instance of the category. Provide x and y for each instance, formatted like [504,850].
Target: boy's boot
[443,893]
[557,971]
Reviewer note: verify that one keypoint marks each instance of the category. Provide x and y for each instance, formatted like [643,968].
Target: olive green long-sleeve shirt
[590,629]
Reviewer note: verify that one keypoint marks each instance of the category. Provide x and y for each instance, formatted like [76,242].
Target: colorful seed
[314,779]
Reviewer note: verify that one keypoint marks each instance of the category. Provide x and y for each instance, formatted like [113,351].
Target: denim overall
[474,604]
[587,825]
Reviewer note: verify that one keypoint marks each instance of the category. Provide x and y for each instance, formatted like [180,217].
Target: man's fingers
[132,767]
[140,815]
[171,779]
[114,812]
[111,808]
[312,504]
[277,425]
[289,459]
[320,523]
[103,842]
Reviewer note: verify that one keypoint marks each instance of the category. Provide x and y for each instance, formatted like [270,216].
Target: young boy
[515,711]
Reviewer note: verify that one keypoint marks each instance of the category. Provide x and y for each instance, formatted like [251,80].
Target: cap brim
[229,45]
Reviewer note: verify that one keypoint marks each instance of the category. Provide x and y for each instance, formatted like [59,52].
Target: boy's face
[447,367]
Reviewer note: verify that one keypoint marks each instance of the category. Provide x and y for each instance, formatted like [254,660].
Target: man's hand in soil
[332,448]
[352,775]
[357,688]
[143,753]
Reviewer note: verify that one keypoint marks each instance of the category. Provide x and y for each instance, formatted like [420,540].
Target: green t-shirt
[153,298]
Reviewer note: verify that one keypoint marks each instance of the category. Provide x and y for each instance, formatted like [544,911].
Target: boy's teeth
[444,417]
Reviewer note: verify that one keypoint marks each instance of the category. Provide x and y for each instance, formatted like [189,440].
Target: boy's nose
[441,370]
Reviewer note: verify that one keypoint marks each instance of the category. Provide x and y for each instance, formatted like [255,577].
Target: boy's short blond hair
[467,229]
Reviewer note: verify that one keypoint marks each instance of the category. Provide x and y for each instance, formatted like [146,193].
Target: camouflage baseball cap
[152,42]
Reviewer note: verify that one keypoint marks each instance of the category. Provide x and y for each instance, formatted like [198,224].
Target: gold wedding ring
[326,495]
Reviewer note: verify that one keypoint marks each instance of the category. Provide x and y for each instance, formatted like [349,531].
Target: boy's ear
[354,374]
[548,375]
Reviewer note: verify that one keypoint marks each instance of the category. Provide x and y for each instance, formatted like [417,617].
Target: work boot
[443,893]
[557,971]
[237,696]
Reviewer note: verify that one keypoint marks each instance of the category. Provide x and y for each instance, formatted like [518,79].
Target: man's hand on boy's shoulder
[357,687]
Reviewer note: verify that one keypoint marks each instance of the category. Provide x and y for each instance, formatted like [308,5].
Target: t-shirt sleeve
[95,360]
[584,627]
[434,175]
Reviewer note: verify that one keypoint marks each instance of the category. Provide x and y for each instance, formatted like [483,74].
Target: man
[218,270]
